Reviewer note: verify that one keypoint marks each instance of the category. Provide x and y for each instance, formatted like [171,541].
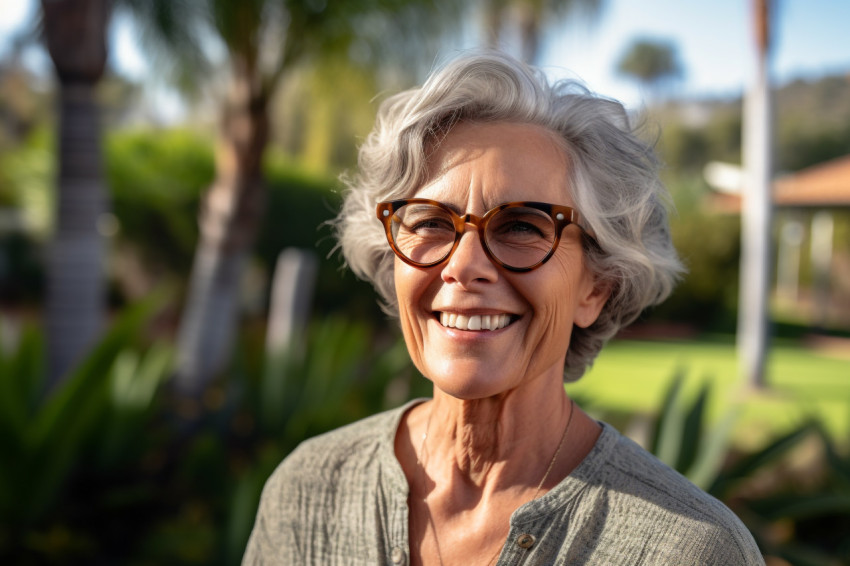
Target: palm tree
[651,62]
[757,208]
[75,33]
[529,18]
[264,41]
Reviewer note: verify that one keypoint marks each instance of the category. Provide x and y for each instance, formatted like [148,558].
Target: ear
[593,296]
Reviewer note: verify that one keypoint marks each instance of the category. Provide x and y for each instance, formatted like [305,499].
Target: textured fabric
[341,499]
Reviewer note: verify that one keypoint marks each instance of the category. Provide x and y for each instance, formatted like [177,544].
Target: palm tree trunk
[528,22]
[75,278]
[753,338]
[75,32]
[492,21]
[229,220]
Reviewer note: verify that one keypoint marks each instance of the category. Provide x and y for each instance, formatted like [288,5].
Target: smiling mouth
[475,321]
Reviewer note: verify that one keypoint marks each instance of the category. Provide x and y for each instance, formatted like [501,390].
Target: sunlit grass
[632,376]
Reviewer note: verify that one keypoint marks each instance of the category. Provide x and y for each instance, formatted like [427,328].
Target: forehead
[489,164]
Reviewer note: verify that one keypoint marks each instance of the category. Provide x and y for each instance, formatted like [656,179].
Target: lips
[475,321]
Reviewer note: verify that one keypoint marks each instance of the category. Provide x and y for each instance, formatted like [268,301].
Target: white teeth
[462,322]
[474,322]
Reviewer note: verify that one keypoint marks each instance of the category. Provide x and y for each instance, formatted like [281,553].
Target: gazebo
[811,197]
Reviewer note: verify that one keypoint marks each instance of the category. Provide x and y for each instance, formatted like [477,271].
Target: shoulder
[325,488]
[353,447]
[662,505]
[644,476]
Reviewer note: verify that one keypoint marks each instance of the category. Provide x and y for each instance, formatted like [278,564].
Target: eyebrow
[455,209]
[487,207]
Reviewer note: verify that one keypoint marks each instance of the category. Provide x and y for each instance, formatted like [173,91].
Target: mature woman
[519,226]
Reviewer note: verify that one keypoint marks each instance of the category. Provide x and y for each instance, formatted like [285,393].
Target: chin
[469,381]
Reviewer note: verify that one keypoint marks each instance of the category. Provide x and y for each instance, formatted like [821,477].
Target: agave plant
[803,522]
[682,438]
[339,376]
[51,440]
[802,526]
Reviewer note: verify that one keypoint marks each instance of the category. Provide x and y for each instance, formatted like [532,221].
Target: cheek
[408,281]
[411,285]
[553,303]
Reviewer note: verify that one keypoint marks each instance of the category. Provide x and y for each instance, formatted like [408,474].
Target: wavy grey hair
[613,178]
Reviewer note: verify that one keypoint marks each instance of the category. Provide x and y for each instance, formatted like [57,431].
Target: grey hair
[613,177]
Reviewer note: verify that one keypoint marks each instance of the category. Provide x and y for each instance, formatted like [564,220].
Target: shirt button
[525,541]
[397,556]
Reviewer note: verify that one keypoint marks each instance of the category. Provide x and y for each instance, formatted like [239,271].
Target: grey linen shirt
[341,499]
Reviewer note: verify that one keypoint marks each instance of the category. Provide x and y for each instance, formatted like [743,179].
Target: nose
[469,263]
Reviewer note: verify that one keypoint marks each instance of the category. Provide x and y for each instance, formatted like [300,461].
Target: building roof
[824,184]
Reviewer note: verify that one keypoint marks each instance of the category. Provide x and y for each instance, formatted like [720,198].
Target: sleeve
[273,539]
[738,548]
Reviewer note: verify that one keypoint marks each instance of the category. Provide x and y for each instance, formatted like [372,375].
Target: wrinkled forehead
[482,165]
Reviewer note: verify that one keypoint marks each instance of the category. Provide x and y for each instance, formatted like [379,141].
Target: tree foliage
[260,44]
[527,18]
[190,39]
[652,62]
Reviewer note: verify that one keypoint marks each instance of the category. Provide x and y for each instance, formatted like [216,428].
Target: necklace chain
[421,455]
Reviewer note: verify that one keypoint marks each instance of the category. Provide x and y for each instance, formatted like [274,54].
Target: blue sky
[714,41]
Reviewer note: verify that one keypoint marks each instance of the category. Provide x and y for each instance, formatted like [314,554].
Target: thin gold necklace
[421,455]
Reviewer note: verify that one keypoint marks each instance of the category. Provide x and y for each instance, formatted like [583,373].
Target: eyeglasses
[519,236]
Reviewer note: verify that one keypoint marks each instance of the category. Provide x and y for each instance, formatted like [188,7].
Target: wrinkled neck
[503,440]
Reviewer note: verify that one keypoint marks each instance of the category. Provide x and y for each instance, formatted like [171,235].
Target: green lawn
[631,376]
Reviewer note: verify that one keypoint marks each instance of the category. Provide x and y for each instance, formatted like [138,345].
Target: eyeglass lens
[516,236]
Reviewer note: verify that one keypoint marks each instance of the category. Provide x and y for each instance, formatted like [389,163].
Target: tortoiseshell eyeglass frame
[562,216]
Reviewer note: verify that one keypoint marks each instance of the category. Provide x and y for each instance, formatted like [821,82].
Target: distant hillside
[813,122]
[819,103]
[812,125]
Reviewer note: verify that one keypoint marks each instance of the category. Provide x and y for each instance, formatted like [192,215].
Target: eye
[520,227]
[429,223]
[424,221]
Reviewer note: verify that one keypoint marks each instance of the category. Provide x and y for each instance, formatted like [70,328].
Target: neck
[505,440]
[471,464]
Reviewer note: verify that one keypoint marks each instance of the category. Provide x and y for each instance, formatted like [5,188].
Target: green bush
[26,208]
[298,208]
[709,246]
[156,179]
